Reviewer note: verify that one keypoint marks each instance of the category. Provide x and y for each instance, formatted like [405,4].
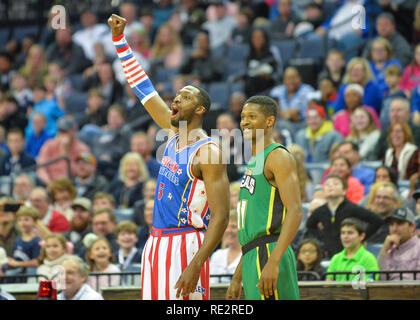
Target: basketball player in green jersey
[269,211]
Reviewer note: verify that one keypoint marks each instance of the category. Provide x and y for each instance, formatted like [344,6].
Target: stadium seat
[316,170]
[374,248]
[219,93]
[21,32]
[4,37]
[164,75]
[312,48]
[287,50]
[76,103]
[371,164]
[238,52]
[124,214]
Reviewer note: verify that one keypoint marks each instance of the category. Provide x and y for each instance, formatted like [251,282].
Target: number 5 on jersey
[241,210]
[161,187]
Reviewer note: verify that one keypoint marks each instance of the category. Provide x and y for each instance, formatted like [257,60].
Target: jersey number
[161,186]
[241,210]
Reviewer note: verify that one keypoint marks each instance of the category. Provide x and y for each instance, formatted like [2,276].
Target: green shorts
[253,263]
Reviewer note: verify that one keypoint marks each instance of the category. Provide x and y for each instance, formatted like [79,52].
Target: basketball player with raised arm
[269,211]
[192,196]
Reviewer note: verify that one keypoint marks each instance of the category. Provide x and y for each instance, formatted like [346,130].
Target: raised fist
[117,25]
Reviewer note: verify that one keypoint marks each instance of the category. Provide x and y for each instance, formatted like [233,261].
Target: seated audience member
[329,94]
[49,108]
[62,192]
[283,25]
[66,144]
[359,72]
[354,254]
[392,78]
[87,181]
[17,159]
[144,230]
[22,188]
[95,113]
[81,223]
[411,76]
[132,175]
[26,249]
[9,231]
[35,67]
[224,261]
[11,116]
[353,96]
[36,140]
[304,181]
[103,200]
[143,145]
[383,200]
[387,28]
[416,197]
[242,31]
[100,259]
[76,274]
[319,135]
[334,68]
[365,175]
[104,223]
[21,91]
[401,249]
[292,95]
[402,154]
[127,254]
[382,174]
[203,64]
[308,259]
[399,111]
[52,219]
[381,57]
[53,252]
[149,192]
[363,132]
[262,64]
[341,166]
[324,223]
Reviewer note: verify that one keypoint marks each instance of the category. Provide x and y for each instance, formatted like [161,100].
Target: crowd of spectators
[81,155]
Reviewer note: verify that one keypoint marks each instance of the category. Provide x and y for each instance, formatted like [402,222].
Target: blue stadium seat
[124,214]
[219,93]
[374,248]
[164,75]
[238,52]
[312,48]
[21,32]
[4,37]
[287,49]
[76,103]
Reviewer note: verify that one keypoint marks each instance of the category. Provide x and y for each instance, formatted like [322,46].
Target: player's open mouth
[174,110]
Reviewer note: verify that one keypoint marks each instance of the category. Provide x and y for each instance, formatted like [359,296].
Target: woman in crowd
[382,174]
[358,71]
[411,75]
[402,154]
[380,57]
[36,66]
[132,174]
[364,132]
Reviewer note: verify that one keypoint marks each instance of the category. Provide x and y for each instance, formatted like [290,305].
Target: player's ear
[270,121]
[200,110]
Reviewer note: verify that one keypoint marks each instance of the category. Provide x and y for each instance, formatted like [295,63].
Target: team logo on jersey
[248,182]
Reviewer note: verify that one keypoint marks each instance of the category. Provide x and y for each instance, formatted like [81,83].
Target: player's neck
[258,145]
[191,135]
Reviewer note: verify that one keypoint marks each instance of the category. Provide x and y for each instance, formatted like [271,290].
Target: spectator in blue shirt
[365,175]
[35,140]
[49,108]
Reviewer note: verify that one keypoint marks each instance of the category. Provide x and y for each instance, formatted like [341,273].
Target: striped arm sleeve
[134,73]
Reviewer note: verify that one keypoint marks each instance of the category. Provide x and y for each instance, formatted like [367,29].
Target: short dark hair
[353,145]
[203,98]
[359,225]
[343,182]
[268,105]
[16,130]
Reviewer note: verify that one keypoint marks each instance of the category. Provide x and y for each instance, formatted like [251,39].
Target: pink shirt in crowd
[404,257]
[410,78]
[342,121]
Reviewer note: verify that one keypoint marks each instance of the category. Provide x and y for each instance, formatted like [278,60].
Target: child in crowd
[393,75]
[411,76]
[128,254]
[308,258]
[100,259]
[354,255]
[21,91]
[53,253]
[26,249]
[329,94]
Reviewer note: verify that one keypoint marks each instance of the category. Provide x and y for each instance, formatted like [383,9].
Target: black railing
[384,275]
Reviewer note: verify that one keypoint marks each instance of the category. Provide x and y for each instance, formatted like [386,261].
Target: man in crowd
[401,249]
[23,187]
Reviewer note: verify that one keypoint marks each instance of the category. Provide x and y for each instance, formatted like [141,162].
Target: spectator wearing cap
[81,223]
[401,249]
[353,97]
[318,136]
[36,139]
[87,181]
[65,144]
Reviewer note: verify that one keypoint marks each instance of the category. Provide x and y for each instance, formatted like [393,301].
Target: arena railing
[384,275]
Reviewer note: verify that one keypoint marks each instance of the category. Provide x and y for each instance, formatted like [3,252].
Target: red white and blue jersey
[181,198]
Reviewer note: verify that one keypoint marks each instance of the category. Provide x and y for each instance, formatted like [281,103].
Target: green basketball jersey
[260,209]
